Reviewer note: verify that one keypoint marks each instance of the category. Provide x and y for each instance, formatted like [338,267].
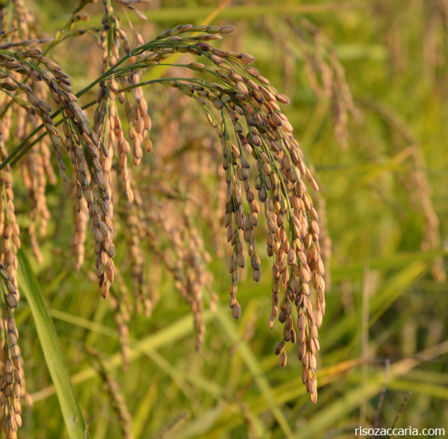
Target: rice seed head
[264,175]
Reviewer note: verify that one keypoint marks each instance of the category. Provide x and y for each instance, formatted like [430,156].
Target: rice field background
[368,88]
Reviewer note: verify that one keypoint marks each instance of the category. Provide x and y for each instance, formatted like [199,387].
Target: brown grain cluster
[11,375]
[154,203]
[262,159]
[12,380]
[78,139]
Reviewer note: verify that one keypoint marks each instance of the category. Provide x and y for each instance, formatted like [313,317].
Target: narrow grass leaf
[49,342]
[255,368]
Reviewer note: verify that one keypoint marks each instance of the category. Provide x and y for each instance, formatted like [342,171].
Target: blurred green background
[385,330]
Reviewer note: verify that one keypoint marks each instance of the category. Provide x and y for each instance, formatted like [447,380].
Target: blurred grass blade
[388,293]
[140,418]
[334,412]
[257,372]
[228,415]
[397,260]
[162,338]
[49,342]
[394,289]
[180,379]
[431,390]
[193,13]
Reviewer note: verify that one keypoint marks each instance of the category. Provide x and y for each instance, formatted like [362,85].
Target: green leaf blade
[49,342]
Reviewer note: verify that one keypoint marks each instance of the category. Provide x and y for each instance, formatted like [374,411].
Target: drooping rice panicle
[262,166]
